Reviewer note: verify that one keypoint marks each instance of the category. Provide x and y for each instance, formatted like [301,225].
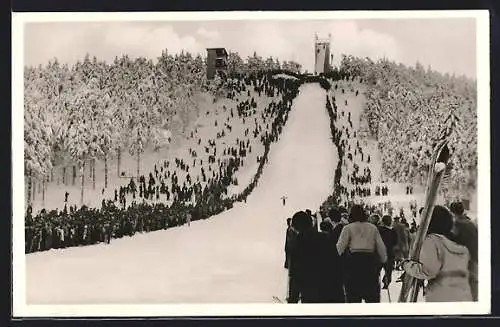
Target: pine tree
[236,65]
[37,134]
[80,133]
[451,123]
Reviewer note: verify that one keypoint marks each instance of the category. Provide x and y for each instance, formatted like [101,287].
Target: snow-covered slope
[235,257]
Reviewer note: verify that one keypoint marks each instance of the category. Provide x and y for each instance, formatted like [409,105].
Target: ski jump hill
[234,257]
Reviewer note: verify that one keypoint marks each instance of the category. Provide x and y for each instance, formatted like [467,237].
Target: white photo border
[22,309]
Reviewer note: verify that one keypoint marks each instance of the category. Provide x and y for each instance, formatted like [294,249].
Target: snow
[178,148]
[285,76]
[235,257]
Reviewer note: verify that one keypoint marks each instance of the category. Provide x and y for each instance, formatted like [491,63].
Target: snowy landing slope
[236,257]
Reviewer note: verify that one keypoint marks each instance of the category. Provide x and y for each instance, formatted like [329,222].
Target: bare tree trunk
[83,183]
[34,189]
[52,174]
[74,175]
[90,170]
[138,163]
[119,159]
[93,173]
[105,171]
[64,175]
[30,186]
[43,190]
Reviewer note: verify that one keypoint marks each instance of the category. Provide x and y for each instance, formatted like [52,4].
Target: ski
[440,159]
[277,299]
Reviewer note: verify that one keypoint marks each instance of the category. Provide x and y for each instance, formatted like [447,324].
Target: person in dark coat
[291,235]
[336,218]
[303,284]
[329,273]
[402,248]
[390,239]
[314,221]
[465,233]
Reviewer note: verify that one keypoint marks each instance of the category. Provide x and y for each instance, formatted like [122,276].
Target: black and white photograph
[251,163]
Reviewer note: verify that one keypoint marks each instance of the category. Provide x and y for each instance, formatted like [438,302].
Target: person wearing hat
[366,254]
[390,239]
[442,262]
[465,233]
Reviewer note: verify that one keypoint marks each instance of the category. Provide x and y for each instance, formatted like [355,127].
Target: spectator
[366,255]
[303,284]
[443,263]
[465,233]
[291,235]
[329,272]
[390,238]
[336,218]
[402,249]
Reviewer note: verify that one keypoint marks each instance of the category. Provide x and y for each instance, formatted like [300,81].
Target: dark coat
[329,270]
[291,235]
[303,265]
[403,240]
[465,233]
[336,233]
[390,238]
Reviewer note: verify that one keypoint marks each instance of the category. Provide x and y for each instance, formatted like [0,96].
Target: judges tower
[216,62]
[321,54]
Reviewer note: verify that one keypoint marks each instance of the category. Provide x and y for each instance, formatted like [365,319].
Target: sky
[446,44]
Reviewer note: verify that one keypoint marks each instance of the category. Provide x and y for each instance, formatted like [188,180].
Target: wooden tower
[216,62]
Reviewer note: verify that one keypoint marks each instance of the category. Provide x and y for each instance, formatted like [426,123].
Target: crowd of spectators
[189,187]
[414,106]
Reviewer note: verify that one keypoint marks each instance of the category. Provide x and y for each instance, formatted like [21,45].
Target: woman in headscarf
[366,255]
[443,263]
